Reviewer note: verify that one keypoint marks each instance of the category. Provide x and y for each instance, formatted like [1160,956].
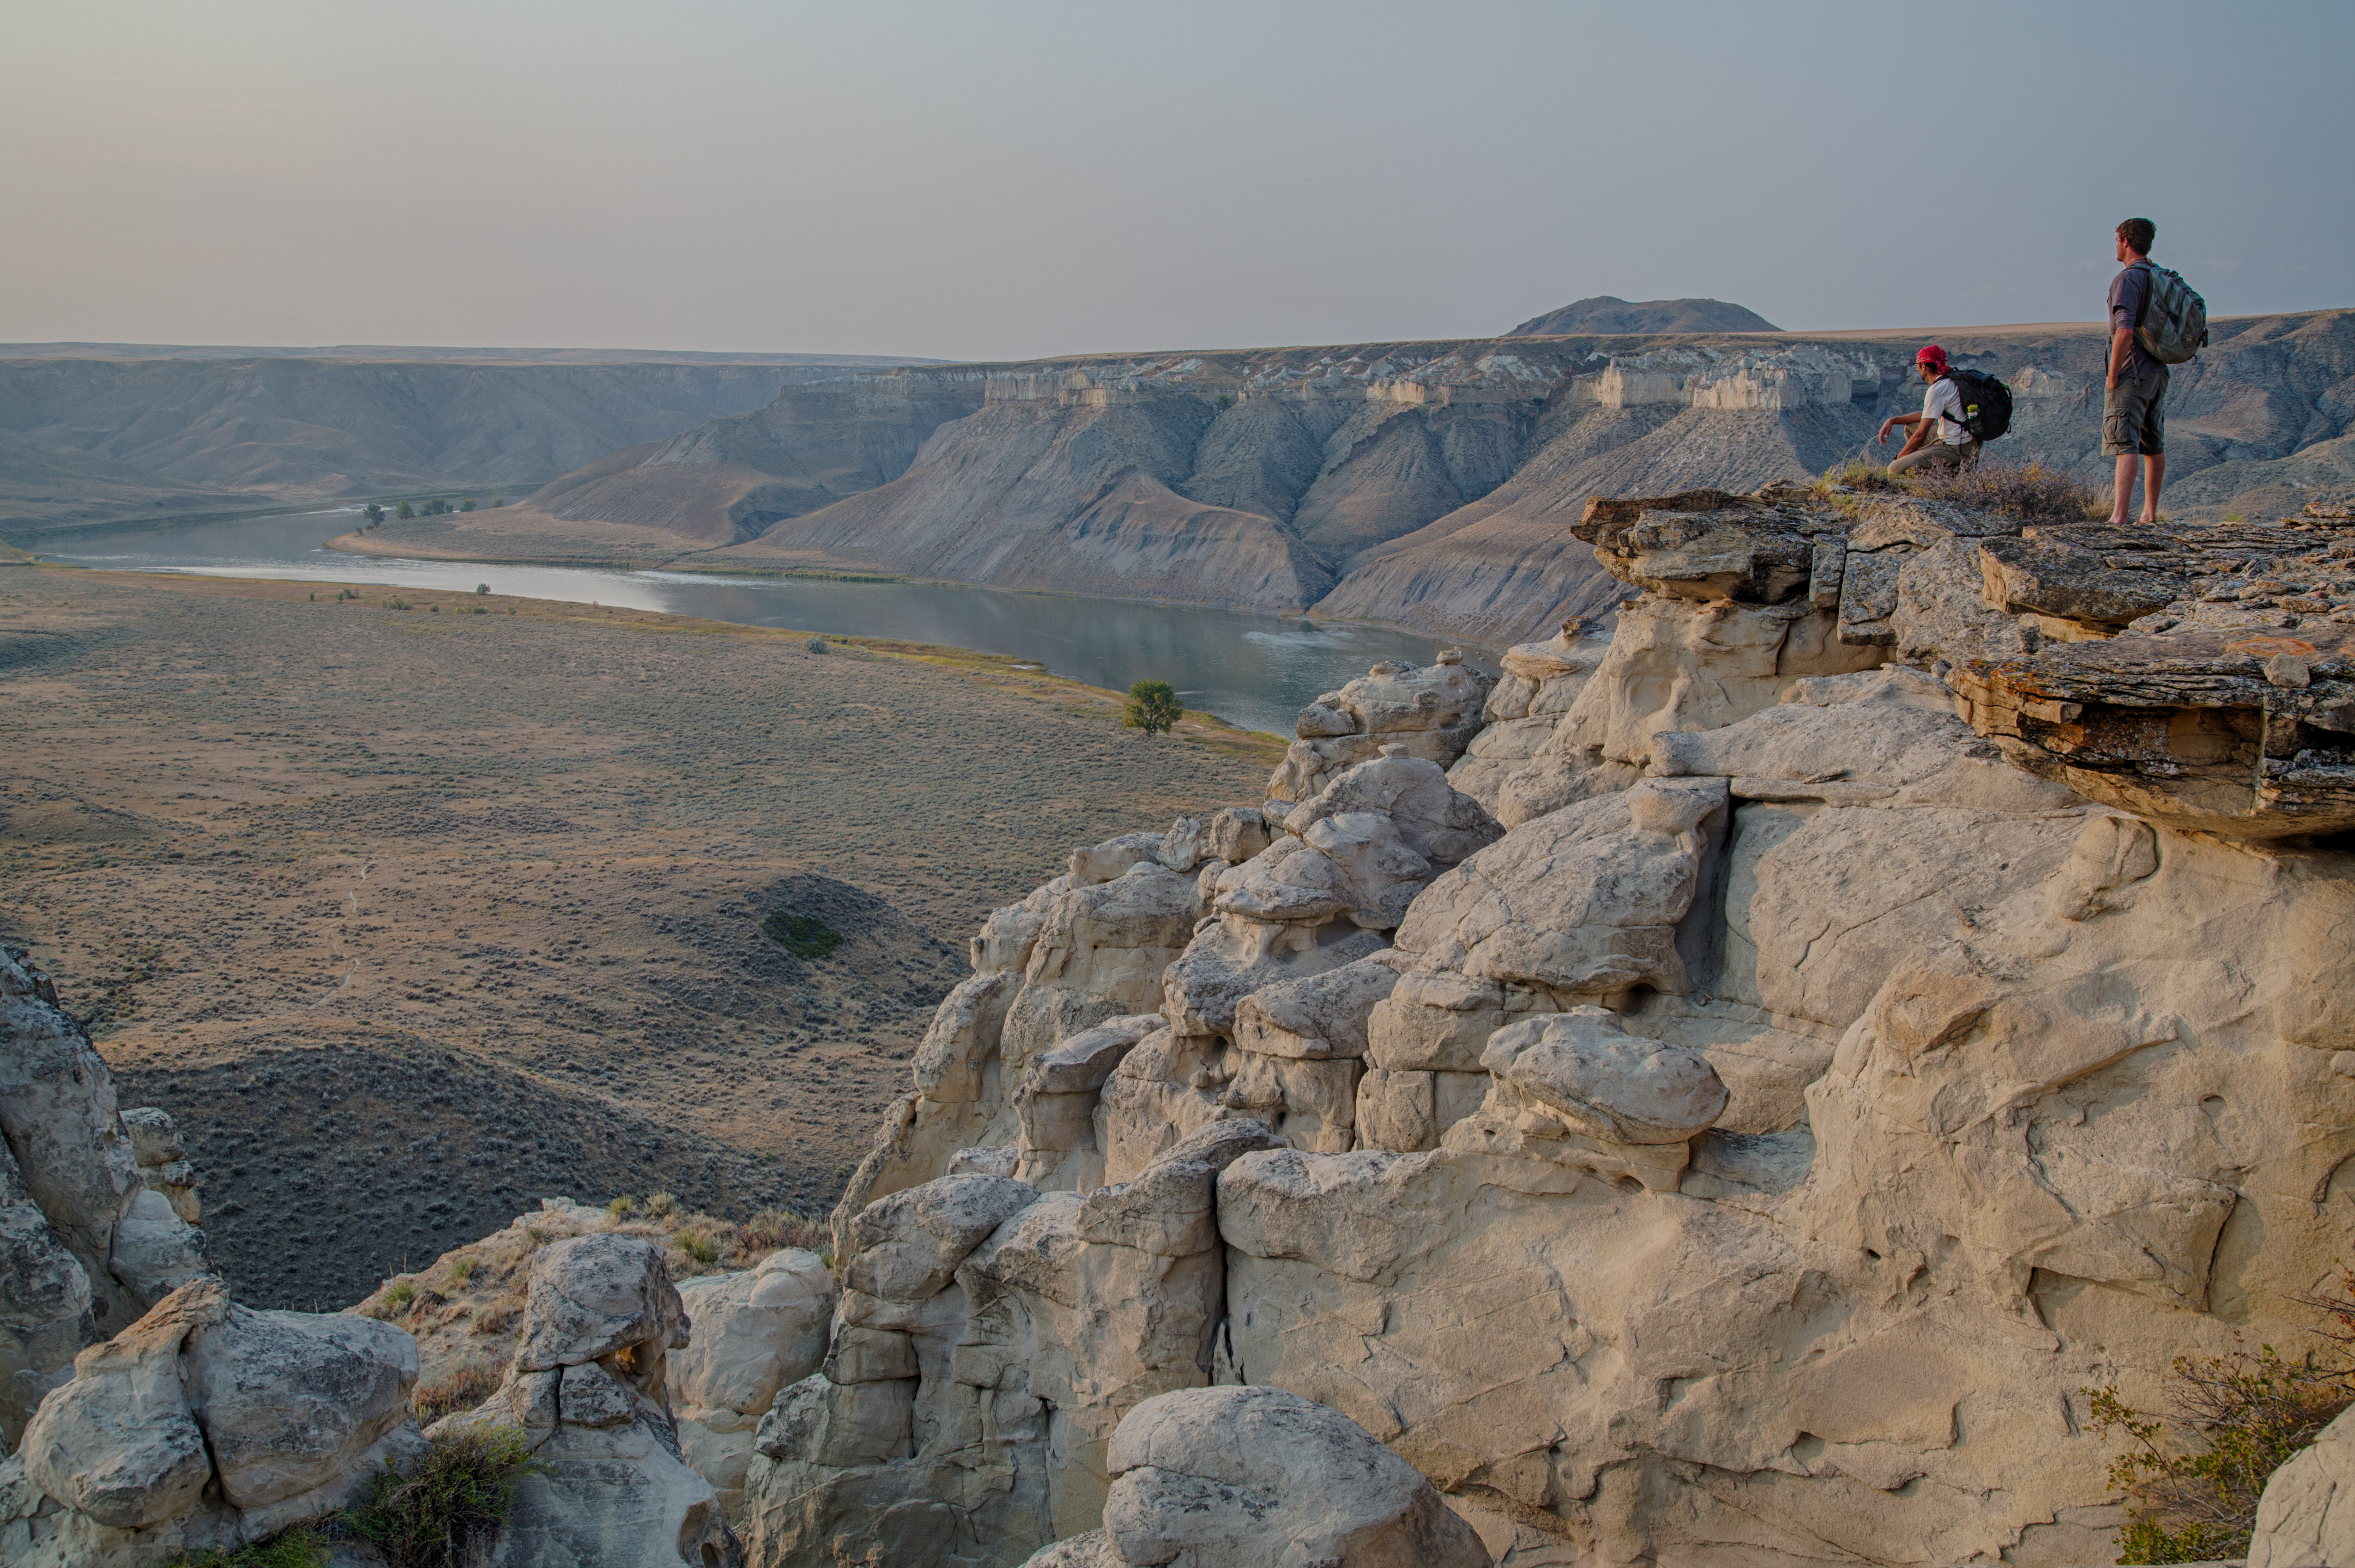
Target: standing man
[1938,437]
[2133,402]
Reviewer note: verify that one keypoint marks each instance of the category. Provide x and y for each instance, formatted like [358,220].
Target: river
[1256,671]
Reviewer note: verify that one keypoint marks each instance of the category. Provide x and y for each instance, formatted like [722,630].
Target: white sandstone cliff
[1729,1114]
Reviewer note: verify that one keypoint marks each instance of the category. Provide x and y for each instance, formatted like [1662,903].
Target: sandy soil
[410,916]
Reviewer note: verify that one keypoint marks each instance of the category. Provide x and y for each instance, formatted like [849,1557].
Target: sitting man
[1953,447]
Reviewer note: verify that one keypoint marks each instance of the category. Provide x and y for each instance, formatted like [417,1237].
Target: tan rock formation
[86,1244]
[206,1425]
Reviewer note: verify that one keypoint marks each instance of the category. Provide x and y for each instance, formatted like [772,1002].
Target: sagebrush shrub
[443,1508]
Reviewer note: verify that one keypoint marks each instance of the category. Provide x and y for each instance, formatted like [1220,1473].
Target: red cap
[1933,354]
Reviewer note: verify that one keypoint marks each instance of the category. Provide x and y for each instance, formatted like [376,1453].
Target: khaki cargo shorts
[2133,415]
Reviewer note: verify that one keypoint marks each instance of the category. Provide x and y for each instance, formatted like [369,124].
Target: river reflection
[1256,671]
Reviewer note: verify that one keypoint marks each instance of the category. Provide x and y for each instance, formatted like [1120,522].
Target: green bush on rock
[441,1510]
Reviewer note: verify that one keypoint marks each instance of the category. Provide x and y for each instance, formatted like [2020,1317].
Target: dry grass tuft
[2031,491]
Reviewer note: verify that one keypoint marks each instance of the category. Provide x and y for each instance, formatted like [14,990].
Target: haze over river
[1256,671]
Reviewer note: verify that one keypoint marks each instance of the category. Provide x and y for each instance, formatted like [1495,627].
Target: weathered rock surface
[210,1425]
[2306,1516]
[86,1244]
[1236,1477]
[754,1332]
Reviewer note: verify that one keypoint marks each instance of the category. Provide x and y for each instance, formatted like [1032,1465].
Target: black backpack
[1987,404]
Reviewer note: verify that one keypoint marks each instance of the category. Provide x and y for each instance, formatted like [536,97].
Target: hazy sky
[1005,179]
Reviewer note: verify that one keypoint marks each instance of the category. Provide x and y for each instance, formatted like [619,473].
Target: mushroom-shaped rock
[1246,1478]
[593,1294]
[910,1243]
[1604,1082]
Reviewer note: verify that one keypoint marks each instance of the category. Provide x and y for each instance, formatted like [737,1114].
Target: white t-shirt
[1944,404]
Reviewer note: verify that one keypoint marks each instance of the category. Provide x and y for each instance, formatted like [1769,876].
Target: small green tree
[1153,707]
[482,587]
[372,513]
[404,511]
[498,501]
[467,504]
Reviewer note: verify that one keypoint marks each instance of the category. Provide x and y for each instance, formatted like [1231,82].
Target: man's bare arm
[2120,342]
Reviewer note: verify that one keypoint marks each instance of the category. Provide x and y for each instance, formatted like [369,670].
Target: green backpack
[2173,324]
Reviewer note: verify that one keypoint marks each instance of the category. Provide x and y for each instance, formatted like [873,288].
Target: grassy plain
[410,916]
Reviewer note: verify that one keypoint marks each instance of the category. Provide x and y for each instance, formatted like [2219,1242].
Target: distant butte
[1609,313]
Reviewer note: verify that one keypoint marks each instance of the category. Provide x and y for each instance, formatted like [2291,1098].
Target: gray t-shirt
[2128,290]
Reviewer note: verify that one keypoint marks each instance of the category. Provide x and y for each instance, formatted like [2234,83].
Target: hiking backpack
[1986,404]
[2173,324]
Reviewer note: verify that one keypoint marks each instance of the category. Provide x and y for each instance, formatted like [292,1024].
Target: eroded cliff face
[1728,1106]
[1432,484]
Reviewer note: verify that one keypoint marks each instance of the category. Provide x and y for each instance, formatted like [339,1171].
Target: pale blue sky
[1010,179]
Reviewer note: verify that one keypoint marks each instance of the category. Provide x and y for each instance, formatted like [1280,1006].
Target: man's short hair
[2138,233]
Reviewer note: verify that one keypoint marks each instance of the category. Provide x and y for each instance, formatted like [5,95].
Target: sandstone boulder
[754,1332]
[592,1296]
[1584,1067]
[1242,1477]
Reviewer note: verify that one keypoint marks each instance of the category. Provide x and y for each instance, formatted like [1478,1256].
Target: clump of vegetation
[1153,707]
[467,505]
[404,511]
[2192,1477]
[343,594]
[400,1294]
[444,1509]
[482,587]
[462,1269]
[816,645]
[699,1246]
[462,1389]
[621,1206]
[2031,491]
[372,513]
[498,501]
[297,1548]
[1858,476]
[804,936]
[396,604]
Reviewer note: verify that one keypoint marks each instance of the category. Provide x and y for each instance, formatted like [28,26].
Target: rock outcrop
[1735,1114]
[588,1388]
[206,1425]
[755,1331]
[1238,1477]
[97,1205]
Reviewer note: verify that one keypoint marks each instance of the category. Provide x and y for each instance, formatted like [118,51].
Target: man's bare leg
[2154,473]
[2123,500]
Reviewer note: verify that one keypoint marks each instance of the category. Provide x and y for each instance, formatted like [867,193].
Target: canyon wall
[86,438]
[1431,484]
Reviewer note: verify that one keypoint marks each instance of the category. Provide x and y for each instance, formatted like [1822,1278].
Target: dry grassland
[410,916]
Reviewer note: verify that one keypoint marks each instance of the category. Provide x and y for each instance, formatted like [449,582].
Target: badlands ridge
[1720,1093]
[1428,484]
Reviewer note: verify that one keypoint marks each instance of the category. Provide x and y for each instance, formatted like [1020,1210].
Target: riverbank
[491,886]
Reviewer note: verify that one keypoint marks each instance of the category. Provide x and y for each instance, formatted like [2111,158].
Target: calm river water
[1256,671]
